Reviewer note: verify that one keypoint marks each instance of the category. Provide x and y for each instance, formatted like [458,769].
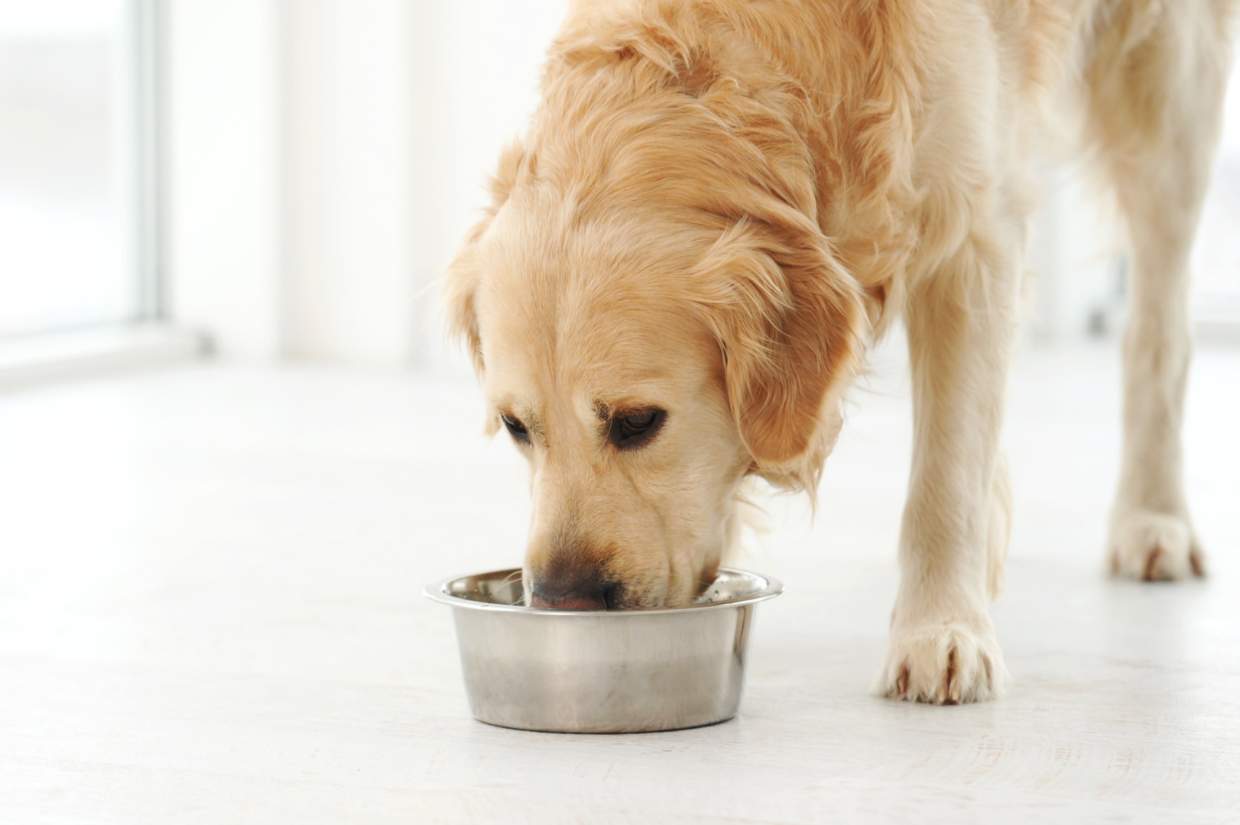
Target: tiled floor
[209,612]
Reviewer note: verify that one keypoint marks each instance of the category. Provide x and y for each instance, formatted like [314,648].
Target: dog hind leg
[1155,84]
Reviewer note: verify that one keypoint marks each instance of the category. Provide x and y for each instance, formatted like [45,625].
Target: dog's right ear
[789,321]
[465,273]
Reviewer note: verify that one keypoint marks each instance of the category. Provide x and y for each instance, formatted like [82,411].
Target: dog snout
[571,584]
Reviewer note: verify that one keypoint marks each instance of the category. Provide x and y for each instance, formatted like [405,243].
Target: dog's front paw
[943,663]
[1154,547]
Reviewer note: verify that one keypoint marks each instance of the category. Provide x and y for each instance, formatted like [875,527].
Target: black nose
[567,586]
[590,602]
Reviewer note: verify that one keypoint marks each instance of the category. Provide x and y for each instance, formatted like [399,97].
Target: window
[75,161]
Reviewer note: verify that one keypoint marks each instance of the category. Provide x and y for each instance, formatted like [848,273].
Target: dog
[720,204]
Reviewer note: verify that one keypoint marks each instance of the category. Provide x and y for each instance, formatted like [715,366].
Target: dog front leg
[943,647]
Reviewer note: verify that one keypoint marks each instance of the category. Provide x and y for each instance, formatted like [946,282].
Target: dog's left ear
[789,322]
[464,273]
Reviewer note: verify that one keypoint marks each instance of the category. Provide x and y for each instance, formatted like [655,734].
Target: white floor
[210,613]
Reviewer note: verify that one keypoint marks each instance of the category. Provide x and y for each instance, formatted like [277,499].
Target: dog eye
[519,432]
[631,430]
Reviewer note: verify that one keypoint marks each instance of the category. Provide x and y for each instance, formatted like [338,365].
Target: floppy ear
[789,320]
[464,273]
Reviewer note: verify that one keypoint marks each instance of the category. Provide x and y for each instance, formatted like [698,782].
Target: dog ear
[465,273]
[788,320]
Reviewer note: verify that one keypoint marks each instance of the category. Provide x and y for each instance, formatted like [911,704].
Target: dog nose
[569,587]
[571,602]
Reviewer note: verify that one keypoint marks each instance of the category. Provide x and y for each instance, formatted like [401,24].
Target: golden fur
[720,203]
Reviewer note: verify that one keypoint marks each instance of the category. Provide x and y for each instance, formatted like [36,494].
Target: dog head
[654,314]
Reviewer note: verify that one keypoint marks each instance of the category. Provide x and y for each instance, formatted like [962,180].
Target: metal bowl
[602,671]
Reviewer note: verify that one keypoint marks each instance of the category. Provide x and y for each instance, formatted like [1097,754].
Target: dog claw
[902,682]
[1151,565]
[949,674]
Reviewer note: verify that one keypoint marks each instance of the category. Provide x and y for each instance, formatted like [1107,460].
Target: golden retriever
[720,204]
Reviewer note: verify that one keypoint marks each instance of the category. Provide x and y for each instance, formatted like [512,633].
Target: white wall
[348,277]
[326,157]
[221,141]
[288,194]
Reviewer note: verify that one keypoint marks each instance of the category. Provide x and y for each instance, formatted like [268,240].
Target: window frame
[146,160]
[147,335]
[138,164]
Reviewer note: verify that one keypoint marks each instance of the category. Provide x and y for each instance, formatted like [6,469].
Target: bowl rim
[438,592]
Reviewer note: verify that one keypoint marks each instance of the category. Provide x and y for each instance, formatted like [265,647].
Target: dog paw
[1154,547]
[943,664]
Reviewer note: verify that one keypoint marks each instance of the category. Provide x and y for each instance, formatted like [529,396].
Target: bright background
[310,167]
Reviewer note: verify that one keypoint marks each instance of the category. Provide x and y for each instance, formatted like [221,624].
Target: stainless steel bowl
[602,671]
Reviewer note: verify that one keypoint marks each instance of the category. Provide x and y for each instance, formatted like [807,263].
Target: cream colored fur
[719,204]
